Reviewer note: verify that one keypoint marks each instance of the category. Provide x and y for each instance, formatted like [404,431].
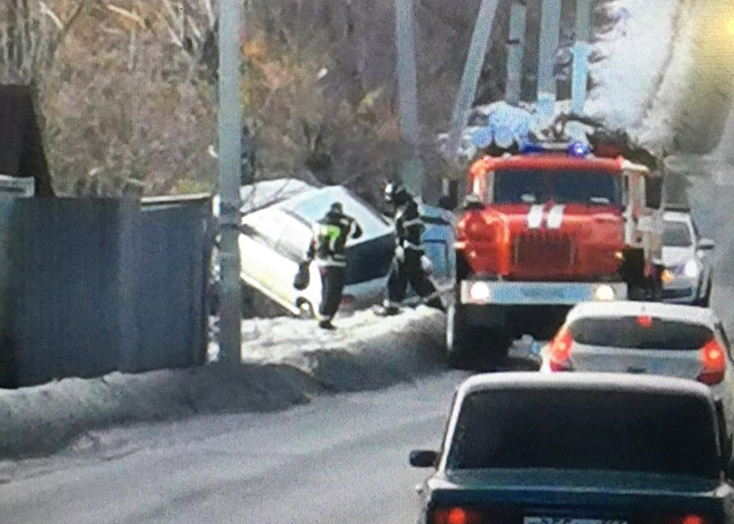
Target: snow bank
[659,122]
[286,362]
[636,77]
[634,54]
[499,123]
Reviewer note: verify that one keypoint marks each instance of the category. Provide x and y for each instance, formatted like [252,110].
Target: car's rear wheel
[305,310]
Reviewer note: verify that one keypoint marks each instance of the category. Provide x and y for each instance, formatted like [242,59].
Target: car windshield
[586,430]
[634,333]
[677,234]
[528,186]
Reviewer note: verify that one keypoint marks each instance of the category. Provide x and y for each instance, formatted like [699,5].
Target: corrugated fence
[89,286]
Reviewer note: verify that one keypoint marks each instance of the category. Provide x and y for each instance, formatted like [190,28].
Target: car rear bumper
[485,292]
[679,296]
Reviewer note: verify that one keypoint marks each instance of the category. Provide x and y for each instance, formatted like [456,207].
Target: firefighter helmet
[396,194]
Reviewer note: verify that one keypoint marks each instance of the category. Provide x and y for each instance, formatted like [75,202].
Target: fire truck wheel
[458,339]
[496,346]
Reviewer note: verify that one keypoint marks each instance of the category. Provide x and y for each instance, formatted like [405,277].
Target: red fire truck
[543,229]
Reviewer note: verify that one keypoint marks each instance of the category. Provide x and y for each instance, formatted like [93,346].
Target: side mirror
[424,459]
[473,203]
[706,244]
[654,192]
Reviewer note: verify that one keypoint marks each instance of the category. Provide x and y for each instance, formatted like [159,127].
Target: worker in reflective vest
[328,249]
[408,261]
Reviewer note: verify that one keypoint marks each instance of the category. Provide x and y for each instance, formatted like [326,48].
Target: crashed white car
[688,275]
[275,239]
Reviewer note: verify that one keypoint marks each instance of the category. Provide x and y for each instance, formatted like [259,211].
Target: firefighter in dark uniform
[328,248]
[407,265]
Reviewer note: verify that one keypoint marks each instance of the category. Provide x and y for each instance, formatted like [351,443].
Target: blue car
[579,449]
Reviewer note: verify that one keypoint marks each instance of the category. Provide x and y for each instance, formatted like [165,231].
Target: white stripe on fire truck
[535,216]
[555,217]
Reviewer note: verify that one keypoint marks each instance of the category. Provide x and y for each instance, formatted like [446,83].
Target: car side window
[292,244]
[267,230]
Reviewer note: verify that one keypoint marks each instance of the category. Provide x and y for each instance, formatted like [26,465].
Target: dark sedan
[579,449]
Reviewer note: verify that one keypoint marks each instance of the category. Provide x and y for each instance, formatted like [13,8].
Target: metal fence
[88,286]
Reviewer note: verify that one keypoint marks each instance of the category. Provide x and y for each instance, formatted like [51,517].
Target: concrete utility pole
[580,51]
[550,28]
[230,130]
[411,168]
[472,72]
[515,53]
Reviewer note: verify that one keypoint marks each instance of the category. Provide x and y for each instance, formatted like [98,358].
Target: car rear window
[586,430]
[637,333]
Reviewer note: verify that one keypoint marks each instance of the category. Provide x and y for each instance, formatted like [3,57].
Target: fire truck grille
[538,250]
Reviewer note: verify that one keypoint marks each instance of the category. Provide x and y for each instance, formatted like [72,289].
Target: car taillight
[691,519]
[714,366]
[681,519]
[456,515]
[559,351]
[347,300]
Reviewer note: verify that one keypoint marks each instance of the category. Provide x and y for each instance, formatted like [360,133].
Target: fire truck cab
[543,230]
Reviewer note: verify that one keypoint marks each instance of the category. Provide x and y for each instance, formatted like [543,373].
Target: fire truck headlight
[480,292]
[605,293]
[691,269]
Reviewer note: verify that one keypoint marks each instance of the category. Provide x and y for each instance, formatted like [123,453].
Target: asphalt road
[711,202]
[339,459]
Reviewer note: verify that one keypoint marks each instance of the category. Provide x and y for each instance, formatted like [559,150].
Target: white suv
[688,275]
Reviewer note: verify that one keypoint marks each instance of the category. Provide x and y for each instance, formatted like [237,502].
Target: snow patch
[636,53]
[502,123]
[286,362]
[659,126]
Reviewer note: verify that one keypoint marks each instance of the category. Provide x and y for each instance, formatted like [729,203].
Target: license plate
[570,520]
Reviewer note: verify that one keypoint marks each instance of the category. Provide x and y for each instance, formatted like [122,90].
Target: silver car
[688,276]
[275,239]
[645,338]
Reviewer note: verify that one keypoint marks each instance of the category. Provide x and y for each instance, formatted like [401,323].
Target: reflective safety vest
[330,235]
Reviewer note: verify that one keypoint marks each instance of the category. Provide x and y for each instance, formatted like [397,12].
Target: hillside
[127,88]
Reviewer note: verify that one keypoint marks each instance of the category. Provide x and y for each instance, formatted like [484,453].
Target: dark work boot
[388,309]
[436,303]
[326,324]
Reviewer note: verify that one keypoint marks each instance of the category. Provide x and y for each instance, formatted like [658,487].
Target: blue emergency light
[575,149]
[531,147]
[579,149]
